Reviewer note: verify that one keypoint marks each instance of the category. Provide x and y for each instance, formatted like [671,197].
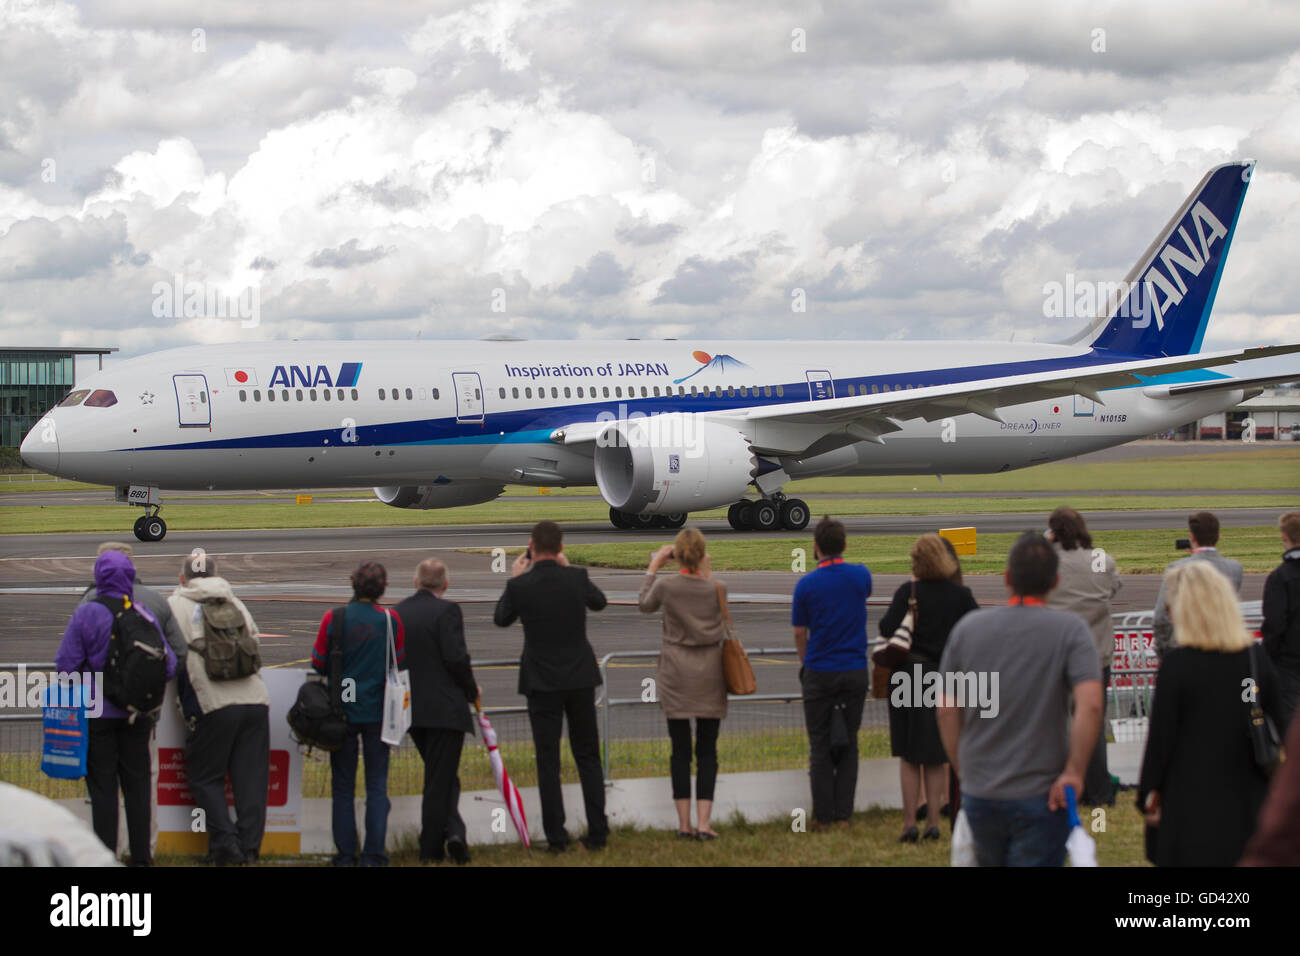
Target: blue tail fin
[1164,304]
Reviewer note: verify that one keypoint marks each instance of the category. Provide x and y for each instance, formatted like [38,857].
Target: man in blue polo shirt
[829,615]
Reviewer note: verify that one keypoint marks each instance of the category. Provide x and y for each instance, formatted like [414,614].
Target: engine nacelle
[673,463]
[450,494]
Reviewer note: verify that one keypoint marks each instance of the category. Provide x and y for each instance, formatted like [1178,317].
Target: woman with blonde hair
[689,681]
[937,602]
[1201,789]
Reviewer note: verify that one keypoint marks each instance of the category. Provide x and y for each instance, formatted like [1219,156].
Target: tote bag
[736,668]
[397,693]
[66,731]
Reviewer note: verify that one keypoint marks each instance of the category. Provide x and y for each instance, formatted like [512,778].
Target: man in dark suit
[442,687]
[558,675]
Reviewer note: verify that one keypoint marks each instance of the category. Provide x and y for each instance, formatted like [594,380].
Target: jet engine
[444,494]
[672,463]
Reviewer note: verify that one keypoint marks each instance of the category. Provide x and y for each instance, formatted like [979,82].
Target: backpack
[316,718]
[228,650]
[135,674]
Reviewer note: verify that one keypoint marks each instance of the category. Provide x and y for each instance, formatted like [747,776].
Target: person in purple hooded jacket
[119,744]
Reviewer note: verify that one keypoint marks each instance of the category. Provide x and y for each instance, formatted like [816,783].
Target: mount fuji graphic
[717,363]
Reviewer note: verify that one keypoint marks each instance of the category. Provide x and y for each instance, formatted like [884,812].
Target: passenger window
[74,398]
[382,395]
[410,394]
[325,394]
[435,394]
[257,395]
[580,391]
[243,395]
[780,391]
[694,392]
[203,398]
[605,391]
[312,393]
[567,394]
[354,394]
[501,392]
[395,396]
[514,393]
[528,393]
[270,394]
[731,392]
[656,391]
[297,394]
[618,391]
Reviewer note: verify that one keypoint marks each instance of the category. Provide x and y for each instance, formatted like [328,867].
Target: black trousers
[1097,790]
[118,753]
[706,757]
[834,778]
[234,740]
[440,820]
[546,713]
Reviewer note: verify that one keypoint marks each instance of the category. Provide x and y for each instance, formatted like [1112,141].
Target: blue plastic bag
[67,730]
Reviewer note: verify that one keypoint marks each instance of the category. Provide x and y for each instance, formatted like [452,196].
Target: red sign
[174,785]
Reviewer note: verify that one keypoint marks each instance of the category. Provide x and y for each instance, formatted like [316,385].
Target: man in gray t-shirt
[1016,754]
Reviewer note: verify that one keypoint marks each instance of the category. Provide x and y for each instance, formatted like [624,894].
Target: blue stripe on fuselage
[528,425]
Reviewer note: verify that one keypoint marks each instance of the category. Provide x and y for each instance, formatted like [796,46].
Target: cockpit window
[101,398]
[74,398]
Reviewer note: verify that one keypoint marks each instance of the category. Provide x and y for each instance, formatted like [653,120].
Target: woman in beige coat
[690,682]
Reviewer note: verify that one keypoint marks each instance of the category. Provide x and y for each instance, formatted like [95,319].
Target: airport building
[1274,416]
[32,381]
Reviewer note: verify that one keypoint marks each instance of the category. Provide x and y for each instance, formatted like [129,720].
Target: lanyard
[829,561]
[1028,601]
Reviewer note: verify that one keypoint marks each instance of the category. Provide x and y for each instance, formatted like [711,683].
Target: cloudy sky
[604,170]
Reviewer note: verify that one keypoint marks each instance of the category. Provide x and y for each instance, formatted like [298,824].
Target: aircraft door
[193,405]
[469,397]
[820,385]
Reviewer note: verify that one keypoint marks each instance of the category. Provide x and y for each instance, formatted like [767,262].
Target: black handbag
[316,718]
[1265,742]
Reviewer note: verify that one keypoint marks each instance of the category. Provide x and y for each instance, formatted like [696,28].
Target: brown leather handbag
[735,663]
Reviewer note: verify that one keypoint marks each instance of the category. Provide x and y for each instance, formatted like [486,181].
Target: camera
[1183,544]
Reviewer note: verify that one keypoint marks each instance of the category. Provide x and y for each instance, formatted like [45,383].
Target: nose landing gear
[150,527]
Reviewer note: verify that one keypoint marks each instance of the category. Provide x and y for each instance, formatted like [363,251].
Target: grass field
[324,514]
[1135,552]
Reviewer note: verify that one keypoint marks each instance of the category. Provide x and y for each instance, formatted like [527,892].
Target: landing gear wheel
[618,519]
[766,516]
[794,514]
[673,521]
[732,518]
[155,529]
[744,516]
[139,527]
[643,522]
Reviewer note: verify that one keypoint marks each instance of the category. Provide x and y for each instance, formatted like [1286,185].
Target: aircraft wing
[821,425]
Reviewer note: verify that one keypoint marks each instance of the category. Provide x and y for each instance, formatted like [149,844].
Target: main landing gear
[769,514]
[626,521]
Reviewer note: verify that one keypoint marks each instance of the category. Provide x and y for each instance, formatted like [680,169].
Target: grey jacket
[1088,582]
[1230,568]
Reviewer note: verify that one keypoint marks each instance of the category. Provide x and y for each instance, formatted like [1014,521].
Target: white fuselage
[317,414]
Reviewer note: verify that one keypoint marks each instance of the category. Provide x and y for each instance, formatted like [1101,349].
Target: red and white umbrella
[514,803]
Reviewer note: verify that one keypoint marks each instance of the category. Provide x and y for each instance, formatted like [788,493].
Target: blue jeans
[343,773]
[1017,832]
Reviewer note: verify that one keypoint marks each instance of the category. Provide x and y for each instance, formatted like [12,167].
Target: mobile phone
[528,552]
[1183,544]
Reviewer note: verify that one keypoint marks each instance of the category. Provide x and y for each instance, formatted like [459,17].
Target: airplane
[662,428]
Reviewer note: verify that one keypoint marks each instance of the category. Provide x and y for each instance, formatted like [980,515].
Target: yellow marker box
[303,499]
[963,539]
[543,491]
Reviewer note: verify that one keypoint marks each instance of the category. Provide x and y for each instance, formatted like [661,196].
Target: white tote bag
[397,693]
[963,842]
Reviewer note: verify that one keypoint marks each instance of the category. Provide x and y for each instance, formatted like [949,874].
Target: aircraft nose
[40,449]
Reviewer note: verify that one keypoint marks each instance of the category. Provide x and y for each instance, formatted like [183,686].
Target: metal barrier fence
[762,731]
